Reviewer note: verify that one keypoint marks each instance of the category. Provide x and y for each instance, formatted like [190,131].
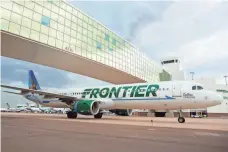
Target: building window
[113,41]
[51,1]
[107,37]
[45,20]
[98,45]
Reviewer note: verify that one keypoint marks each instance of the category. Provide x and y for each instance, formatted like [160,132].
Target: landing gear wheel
[72,115]
[181,120]
[98,116]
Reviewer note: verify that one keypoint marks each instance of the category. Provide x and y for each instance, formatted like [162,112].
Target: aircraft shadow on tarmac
[192,121]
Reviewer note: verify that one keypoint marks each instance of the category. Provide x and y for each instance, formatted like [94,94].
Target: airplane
[4,110]
[12,109]
[52,110]
[33,109]
[21,109]
[121,99]
[46,109]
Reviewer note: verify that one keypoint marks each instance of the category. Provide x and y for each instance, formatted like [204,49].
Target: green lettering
[152,89]
[94,93]
[115,92]
[85,92]
[104,92]
[133,91]
[140,93]
[125,90]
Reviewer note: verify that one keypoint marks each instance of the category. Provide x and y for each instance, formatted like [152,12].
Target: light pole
[225,78]
[192,73]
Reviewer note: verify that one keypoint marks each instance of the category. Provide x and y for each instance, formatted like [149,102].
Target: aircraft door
[176,90]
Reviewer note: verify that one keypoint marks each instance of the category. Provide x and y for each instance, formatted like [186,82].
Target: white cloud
[195,31]
[200,52]
[18,84]
[21,70]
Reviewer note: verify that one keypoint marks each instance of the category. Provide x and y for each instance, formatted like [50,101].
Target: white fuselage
[168,95]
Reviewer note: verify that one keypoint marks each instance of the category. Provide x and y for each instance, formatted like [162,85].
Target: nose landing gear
[181,118]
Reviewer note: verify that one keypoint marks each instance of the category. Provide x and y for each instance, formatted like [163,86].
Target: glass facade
[60,25]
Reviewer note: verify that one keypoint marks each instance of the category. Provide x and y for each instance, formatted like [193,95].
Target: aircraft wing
[45,93]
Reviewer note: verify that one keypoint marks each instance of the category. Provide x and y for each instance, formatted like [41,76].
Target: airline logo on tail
[33,83]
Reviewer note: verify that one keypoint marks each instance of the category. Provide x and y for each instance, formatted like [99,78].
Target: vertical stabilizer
[32,82]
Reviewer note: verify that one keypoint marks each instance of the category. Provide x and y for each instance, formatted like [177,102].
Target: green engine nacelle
[87,107]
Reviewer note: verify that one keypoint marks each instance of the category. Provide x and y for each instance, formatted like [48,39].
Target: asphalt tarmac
[37,133]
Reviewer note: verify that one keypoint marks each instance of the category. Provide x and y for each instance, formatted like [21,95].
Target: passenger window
[194,88]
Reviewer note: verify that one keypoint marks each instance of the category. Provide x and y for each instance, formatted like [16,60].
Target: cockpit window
[199,88]
[194,88]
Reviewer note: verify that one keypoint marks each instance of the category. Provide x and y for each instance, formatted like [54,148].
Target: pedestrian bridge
[55,34]
[17,47]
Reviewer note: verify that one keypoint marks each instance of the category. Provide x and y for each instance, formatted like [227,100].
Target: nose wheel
[181,118]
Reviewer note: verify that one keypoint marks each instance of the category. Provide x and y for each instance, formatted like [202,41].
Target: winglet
[32,82]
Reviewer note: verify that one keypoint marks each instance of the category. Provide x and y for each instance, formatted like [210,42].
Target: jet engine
[87,107]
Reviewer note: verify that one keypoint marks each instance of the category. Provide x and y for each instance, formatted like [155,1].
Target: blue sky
[197,32]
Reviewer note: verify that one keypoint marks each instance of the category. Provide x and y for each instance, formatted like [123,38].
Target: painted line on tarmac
[207,134]
[151,129]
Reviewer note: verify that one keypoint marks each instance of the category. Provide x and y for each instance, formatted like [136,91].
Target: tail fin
[32,82]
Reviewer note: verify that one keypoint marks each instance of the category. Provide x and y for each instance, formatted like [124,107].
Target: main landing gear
[98,116]
[181,118]
[72,115]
